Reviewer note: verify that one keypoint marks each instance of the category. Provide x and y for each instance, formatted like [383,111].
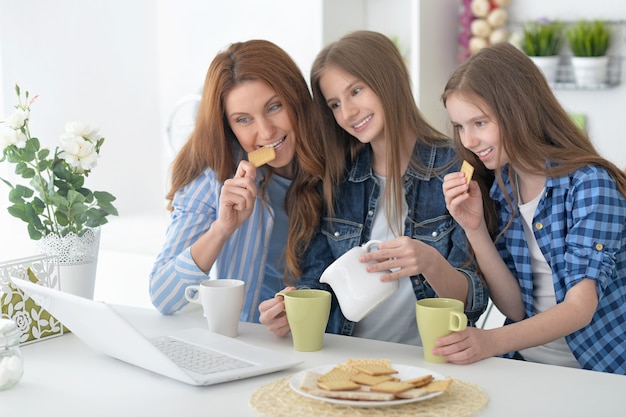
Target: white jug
[358,291]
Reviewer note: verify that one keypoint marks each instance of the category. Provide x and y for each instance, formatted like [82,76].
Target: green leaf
[38,205]
[19,211]
[59,201]
[74,197]
[103,197]
[61,218]
[6,182]
[43,154]
[34,233]
[19,194]
[23,170]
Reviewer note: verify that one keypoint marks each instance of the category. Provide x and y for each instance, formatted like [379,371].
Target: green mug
[307,313]
[438,317]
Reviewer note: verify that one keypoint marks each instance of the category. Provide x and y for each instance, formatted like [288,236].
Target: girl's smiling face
[478,130]
[355,106]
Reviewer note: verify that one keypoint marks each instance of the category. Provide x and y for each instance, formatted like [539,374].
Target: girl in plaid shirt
[551,240]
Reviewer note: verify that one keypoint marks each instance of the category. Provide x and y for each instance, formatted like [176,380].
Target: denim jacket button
[336,234]
[370,213]
[434,234]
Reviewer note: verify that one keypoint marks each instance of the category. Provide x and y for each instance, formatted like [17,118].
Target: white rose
[18,119]
[480,8]
[78,152]
[503,3]
[82,129]
[480,27]
[497,17]
[10,136]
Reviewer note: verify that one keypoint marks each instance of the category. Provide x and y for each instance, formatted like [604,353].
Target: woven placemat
[277,399]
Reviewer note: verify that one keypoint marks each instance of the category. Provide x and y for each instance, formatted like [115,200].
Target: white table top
[64,377]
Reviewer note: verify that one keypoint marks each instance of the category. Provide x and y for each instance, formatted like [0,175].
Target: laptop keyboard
[196,359]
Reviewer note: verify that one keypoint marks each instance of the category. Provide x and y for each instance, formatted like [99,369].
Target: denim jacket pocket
[435,232]
[342,235]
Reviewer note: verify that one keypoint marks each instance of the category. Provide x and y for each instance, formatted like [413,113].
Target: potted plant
[589,42]
[63,216]
[542,41]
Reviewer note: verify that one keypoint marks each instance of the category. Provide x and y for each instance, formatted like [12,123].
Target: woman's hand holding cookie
[237,198]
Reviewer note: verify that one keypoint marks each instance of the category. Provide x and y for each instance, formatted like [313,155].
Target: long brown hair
[374,59]
[536,132]
[212,142]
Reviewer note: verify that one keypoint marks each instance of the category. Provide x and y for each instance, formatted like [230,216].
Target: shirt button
[599,246]
[336,234]
[539,226]
[434,234]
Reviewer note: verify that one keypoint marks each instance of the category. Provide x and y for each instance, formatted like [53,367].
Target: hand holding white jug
[358,291]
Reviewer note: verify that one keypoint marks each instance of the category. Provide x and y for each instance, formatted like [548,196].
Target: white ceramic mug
[222,302]
[358,291]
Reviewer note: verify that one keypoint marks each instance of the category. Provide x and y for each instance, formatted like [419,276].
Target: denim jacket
[428,220]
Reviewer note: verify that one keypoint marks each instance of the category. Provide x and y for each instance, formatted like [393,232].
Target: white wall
[93,61]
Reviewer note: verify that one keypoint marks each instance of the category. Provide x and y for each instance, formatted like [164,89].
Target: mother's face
[258,118]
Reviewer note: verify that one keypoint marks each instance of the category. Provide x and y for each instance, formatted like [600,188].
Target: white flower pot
[590,72]
[77,257]
[548,65]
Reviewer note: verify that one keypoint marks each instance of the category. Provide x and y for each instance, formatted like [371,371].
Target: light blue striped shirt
[243,256]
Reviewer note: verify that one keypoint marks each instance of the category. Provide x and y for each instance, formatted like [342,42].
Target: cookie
[375,369]
[468,170]
[438,385]
[337,374]
[392,387]
[382,362]
[365,379]
[412,393]
[420,381]
[262,156]
[338,385]
[309,381]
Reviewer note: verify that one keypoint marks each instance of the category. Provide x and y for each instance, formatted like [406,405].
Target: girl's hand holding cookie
[463,201]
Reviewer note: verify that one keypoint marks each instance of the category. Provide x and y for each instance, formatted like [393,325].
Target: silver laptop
[195,356]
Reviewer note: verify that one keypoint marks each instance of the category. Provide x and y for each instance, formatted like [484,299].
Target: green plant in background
[589,38]
[542,38]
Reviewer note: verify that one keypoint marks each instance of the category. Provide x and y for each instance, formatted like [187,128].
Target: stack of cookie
[369,380]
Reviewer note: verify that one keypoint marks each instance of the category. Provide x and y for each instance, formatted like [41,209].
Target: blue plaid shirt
[579,226]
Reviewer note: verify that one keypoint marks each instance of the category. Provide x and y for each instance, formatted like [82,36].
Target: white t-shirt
[393,320]
[556,352]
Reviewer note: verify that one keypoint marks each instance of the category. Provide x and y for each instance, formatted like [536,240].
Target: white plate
[404,372]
